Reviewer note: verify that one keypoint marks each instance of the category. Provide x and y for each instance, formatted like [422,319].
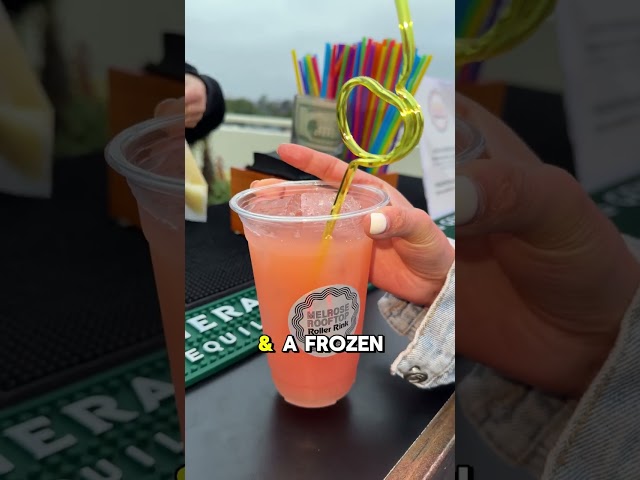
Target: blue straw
[385,125]
[325,74]
[392,112]
[356,61]
[413,76]
[303,74]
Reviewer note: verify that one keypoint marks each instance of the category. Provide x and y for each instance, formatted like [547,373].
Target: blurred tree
[80,113]
[241,105]
[264,106]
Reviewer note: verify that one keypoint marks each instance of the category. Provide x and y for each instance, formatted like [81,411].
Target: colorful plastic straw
[374,123]
[298,77]
[516,21]
[402,99]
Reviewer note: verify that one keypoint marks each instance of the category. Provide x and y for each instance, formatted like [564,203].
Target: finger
[416,227]
[321,165]
[193,88]
[192,93]
[265,182]
[412,224]
[269,193]
[501,141]
[192,119]
[498,196]
[331,169]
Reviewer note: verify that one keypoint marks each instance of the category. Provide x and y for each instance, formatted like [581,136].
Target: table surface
[238,428]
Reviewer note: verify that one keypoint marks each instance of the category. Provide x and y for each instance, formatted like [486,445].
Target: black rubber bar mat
[217,260]
[78,292]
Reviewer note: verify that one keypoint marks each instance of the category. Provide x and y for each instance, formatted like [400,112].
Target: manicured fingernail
[281,147]
[378,224]
[466,200]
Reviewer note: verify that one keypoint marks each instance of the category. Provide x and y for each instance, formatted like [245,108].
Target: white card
[196,190]
[437,145]
[599,51]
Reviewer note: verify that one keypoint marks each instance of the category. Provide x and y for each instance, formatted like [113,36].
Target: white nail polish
[466,200]
[378,224]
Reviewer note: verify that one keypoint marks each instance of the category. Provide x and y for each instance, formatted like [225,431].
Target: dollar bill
[315,125]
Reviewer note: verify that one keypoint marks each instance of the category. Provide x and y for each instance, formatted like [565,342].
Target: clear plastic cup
[307,285]
[470,143]
[150,156]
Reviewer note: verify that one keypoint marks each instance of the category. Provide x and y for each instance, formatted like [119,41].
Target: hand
[195,96]
[544,278]
[411,255]
[169,108]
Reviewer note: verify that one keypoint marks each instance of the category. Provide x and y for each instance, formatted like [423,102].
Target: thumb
[412,224]
[500,140]
[536,200]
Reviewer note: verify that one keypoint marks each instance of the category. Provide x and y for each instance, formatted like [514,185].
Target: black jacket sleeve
[213,115]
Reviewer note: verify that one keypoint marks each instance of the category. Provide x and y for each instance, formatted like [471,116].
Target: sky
[246,44]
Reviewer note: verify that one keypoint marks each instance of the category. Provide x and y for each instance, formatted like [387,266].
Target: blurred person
[204,107]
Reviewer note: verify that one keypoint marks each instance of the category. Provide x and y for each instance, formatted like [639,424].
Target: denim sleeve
[558,439]
[429,359]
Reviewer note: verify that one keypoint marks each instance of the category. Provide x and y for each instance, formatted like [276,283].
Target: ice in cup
[150,156]
[307,285]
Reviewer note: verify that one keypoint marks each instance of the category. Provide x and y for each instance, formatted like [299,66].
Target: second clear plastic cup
[307,285]
[150,156]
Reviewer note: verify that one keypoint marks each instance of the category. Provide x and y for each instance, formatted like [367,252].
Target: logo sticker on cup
[328,311]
